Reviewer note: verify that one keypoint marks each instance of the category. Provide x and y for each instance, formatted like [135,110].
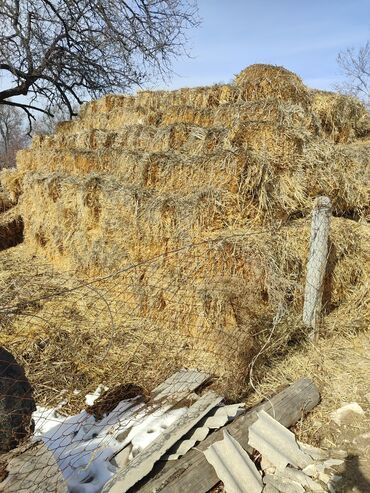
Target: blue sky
[304,36]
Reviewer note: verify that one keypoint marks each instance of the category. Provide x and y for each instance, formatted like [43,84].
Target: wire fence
[218,306]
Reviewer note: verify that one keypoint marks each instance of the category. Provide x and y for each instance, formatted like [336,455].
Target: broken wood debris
[131,444]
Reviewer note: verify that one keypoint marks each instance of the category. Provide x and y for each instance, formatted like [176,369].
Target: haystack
[214,306]
[188,213]
[343,118]
[261,81]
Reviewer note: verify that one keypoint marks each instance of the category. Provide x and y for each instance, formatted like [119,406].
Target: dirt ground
[340,366]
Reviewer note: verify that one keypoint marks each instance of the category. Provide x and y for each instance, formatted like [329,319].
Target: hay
[227,114]
[11,181]
[338,365]
[164,171]
[233,169]
[343,118]
[261,81]
[173,199]
[340,172]
[211,306]
[90,216]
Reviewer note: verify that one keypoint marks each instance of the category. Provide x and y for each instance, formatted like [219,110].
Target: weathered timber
[316,266]
[31,468]
[193,473]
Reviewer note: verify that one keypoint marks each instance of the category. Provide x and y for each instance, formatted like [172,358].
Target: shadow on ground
[353,478]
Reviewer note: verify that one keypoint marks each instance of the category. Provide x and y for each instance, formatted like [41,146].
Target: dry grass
[11,181]
[339,366]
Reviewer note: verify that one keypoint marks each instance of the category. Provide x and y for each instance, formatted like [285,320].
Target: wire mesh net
[116,360]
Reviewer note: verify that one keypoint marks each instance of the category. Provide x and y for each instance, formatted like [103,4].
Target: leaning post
[316,265]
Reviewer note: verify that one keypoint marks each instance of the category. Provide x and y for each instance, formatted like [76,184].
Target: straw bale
[261,81]
[213,306]
[11,181]
[343,118]
[273,112]
[342,173]
[106,104]
[164,171]
[113,120]
[230,114]
[191,193]
[193,139]
[199,97]
[81,223]
[82,220]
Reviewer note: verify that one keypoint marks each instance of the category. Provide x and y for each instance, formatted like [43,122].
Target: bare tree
[355,65]
[12,135]
[59,52]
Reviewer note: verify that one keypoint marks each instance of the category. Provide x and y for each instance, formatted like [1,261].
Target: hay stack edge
[190,210]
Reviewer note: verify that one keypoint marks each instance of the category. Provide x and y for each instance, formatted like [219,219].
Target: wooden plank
[32,468]
[193,473]
[143,463]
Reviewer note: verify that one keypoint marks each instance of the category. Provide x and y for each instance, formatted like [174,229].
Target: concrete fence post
[316,266]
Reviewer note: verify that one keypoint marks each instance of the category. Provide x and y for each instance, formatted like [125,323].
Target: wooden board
[32,468]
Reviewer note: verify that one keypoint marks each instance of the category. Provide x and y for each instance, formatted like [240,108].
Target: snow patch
[84,447]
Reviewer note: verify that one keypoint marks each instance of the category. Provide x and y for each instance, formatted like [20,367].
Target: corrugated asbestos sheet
[215,420]
[125,442]
[200,415]
[285,466]
[173,421]
[233,466]
[143,463]
[276,443]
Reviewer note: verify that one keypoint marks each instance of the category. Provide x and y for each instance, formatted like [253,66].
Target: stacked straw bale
[192,207]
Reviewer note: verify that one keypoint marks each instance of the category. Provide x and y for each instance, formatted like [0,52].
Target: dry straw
[211,306]
[223,177]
